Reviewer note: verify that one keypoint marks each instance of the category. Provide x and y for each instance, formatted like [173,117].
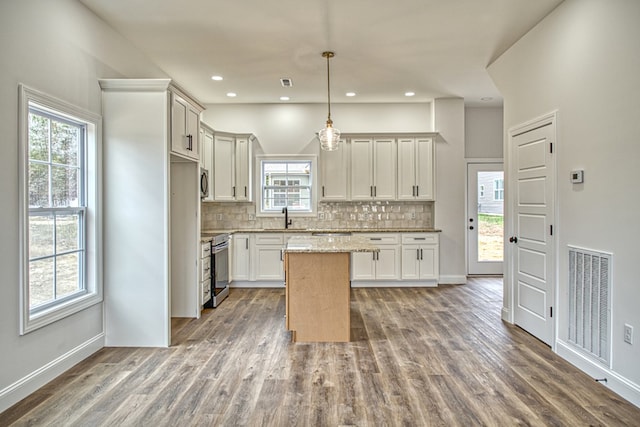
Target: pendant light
[329,136]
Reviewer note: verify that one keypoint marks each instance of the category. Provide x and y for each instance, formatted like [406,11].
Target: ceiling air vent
[286,82]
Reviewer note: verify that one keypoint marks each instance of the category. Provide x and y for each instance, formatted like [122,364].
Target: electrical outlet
[321,215]
[219,217]
[628,334]
[413,215]
[252,217]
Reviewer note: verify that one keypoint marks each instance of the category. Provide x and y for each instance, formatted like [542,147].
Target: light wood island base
[318,296]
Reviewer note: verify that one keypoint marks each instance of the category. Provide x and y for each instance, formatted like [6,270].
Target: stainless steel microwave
[204,183]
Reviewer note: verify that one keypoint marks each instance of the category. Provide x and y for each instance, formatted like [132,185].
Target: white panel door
[533,254]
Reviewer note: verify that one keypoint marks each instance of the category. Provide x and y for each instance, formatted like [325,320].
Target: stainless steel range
[219,269]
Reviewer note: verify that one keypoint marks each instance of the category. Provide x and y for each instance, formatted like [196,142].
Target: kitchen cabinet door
[410,262]
[185,121]
[415,169]
[243,174]
[363,266]
[388,263]
[384,169]
[361,168]
[240,257]
[334,169]
[224,168]
[268,263]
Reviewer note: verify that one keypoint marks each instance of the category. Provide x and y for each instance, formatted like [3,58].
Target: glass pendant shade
[329,137]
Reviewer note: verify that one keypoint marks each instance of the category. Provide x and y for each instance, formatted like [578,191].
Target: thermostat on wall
[577,177]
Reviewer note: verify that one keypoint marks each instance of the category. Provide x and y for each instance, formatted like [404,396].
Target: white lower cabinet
[382,265]
[420,256]
[267,256]
[205,272]
[240,257]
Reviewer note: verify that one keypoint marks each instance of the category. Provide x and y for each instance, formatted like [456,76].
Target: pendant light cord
[328,55]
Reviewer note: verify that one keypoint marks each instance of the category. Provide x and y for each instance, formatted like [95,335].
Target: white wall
[448,119]
[291,128]
[584,61]
[483,132]
[60,48]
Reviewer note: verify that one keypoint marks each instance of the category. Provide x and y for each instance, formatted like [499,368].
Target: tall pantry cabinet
[151,208]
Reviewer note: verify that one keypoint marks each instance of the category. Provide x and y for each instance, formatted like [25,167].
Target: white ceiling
[435,48]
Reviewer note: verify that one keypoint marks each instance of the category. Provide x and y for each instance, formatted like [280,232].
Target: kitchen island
[317,280]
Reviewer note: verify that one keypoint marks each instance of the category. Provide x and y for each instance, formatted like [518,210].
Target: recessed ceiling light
[231,94]
[286,82]
[350,94]
[284,98]
[216,78]
[409,93]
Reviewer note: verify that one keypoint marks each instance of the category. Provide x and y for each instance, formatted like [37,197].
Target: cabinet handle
[419,238]
[418,254]
[421,254]
[371,190]
[234,191]
[417,191]
[373,255]
[375,191]
[246,244]
[281,258]
[375,238]
[413,190]
[190,140]
[323,191]
[245,191]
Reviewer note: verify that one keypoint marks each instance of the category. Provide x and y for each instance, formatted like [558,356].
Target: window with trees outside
[286,183]
[60,217]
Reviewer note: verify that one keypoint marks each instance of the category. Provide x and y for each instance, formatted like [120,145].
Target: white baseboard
[617,383]
[452,279]
[22,388]
[506,315]
[394,284]
[260,284]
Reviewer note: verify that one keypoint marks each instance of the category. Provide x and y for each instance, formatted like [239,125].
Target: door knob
[513,239]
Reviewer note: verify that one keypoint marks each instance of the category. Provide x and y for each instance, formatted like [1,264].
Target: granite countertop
[329,244]
[322,230]
[205,238]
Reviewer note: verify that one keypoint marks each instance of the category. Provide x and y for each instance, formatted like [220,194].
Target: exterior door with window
[485,219]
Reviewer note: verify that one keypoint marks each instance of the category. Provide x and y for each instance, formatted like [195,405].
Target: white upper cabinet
[224,180]
[361,168]
[415,169]
[243,165]
[185,123]
[384,171]
[334,169]
[232,167]
[373,168]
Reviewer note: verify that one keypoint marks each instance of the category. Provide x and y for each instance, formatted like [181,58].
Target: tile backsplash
[330,215]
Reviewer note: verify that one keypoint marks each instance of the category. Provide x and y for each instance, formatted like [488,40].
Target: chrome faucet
[287,221]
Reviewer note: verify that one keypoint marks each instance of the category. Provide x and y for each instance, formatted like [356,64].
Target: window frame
[91,222]
[287,159]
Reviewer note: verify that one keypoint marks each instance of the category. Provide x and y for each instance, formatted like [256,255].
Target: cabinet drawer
[269,239]
[205,289]
[205,250]
[205,269]
[419,238]
[382,238]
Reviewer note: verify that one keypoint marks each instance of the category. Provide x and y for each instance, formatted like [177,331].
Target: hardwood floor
[418,357]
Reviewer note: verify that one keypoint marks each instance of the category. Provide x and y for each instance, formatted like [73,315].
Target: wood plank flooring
[419,357]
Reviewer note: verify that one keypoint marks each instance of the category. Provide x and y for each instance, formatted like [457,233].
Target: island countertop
[329,244]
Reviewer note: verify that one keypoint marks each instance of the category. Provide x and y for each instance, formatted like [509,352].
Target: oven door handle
[219,248]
